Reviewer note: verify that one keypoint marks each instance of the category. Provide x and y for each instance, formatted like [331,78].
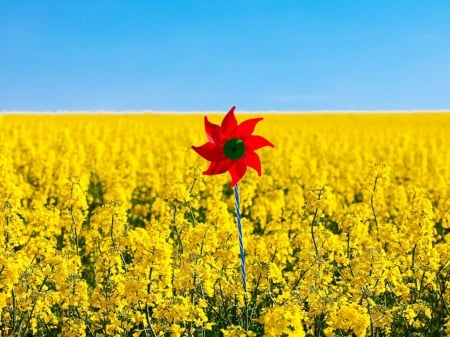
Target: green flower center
[234,148]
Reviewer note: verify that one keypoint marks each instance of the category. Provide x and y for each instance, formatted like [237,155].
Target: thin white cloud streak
[213,112]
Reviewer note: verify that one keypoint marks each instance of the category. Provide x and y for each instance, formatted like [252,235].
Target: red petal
[253,161]
[229,123]
[209,151]
[218,167]
[213,132]
[256,142]
[237,171]
[247,127]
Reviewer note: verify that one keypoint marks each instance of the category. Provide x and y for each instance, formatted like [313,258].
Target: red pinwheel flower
[231,147]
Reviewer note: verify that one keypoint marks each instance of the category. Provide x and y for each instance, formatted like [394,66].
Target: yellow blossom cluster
[109,228]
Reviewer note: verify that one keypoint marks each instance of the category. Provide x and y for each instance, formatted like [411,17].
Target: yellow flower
[176,330]
[108,227]
[351,317]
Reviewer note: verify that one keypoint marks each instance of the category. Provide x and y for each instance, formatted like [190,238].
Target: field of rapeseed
[108,228]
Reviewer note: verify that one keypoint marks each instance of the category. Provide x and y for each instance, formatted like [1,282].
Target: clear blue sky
[210,55]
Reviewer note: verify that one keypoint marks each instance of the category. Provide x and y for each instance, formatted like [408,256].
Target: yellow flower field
[109,228]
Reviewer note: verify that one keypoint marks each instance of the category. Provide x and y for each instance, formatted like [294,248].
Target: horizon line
[187,112]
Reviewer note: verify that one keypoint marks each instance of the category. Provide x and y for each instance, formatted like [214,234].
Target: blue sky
[209,55]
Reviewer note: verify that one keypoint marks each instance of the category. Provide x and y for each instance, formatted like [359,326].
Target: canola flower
[108,228]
